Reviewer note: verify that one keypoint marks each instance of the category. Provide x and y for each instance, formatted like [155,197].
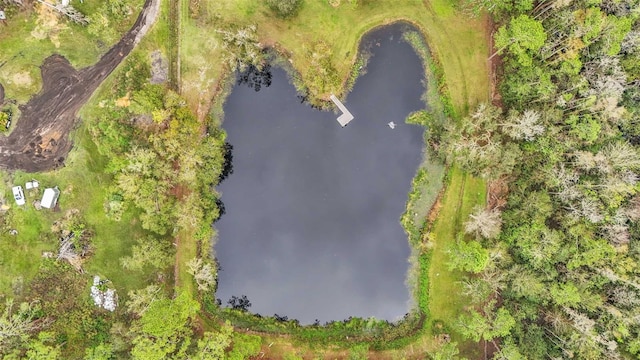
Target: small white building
[33,184]
[18,195]
[50,198]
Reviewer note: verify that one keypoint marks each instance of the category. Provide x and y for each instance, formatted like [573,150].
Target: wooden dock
[346,116]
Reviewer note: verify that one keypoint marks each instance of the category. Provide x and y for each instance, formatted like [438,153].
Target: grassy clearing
[456,40]
[187,249]
[83,186]
[201,62]
[445,302]
[29,38]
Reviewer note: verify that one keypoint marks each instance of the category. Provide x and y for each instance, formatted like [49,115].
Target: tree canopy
[562,254]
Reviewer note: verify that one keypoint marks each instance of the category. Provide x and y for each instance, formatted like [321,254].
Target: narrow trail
[494,63]
[174,44]
[40,140]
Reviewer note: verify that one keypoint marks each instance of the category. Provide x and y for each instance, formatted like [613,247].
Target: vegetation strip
[174,44]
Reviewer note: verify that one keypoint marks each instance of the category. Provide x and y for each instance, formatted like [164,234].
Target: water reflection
[311,229]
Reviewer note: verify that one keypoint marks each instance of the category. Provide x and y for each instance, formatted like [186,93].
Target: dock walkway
[346,116]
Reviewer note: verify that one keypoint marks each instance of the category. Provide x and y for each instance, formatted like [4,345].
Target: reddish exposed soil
[497,193]
[40,140]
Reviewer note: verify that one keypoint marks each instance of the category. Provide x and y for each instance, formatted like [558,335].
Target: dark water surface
[312,224]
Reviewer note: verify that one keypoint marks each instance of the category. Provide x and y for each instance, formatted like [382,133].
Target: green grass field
[463,193]
[187,249]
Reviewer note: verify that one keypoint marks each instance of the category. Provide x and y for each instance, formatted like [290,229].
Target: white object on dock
[346,115]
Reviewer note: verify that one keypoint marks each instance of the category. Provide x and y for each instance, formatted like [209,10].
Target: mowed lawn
[446,302]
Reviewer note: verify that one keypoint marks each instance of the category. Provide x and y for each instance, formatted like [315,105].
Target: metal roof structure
[50,198]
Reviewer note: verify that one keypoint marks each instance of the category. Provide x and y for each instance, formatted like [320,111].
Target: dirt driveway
[40,140]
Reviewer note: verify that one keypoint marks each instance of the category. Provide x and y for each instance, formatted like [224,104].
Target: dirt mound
[40,140]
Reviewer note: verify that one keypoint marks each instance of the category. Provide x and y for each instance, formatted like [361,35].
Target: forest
[553,269]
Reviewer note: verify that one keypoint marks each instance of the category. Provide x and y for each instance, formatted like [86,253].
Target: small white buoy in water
[392,125]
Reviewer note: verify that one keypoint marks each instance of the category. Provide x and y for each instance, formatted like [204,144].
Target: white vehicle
[18,195]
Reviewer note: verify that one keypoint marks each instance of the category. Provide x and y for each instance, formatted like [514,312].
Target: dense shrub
[285,8]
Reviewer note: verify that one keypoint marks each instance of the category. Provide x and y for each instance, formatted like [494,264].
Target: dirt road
[40,140]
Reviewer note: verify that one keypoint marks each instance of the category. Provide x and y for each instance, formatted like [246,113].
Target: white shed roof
[50,198]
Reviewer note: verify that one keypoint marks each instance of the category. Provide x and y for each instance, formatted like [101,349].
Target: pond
[312,229]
